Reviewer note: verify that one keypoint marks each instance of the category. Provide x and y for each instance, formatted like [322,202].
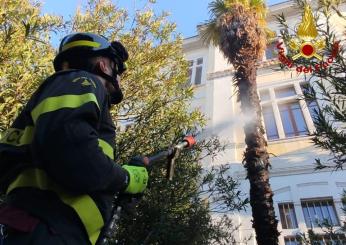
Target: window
[269,122]
[264,95]
[198,77]
[284,92]
[312,104]
[190,70]
[288,216]
[332,239]
[195,71]
[292,119]
[318,211]
[291,240]
[271,51]
[313,108]
[284,114]
[325,239]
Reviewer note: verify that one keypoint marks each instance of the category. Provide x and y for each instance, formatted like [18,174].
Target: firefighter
[57,159]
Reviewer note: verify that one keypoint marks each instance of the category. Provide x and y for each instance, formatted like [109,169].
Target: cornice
[193,43]
[285,171]
[220,74]
[341,184]
[282,190]
[312,183]
[230,71]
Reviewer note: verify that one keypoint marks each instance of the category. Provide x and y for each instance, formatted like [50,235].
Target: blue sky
[186,13]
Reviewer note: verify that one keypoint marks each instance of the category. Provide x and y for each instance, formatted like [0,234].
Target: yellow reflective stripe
[84,206]
[88,212]
[18,137]
[106,148]
[59,102]
[81,43]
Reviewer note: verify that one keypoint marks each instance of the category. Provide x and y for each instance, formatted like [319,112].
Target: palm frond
[256,3]
[270,35]
[217,8]
[259,7]
[209,32]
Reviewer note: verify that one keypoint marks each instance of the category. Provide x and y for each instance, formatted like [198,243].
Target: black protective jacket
[58,154]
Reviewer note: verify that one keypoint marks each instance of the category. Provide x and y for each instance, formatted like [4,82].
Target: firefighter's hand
[138,179]
[139,161]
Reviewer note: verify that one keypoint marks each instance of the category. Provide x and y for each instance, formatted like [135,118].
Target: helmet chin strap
[117,95]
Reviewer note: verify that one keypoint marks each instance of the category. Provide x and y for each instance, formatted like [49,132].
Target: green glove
[138,179]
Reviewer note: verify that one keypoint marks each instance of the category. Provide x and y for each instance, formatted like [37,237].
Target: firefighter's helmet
[90,45]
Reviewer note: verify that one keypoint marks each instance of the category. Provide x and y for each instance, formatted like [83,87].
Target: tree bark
[256,158]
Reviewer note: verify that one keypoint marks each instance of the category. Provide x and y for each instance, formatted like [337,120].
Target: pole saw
[171,155]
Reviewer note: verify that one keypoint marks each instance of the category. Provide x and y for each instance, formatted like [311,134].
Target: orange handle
[190,140]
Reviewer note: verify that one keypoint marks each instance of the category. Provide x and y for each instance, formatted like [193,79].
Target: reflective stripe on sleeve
[106,148]
[59,102]
[83,205]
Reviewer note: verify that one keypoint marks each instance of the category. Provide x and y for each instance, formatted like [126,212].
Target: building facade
[301,194]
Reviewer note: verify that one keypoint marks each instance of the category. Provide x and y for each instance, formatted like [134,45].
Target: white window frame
[194,66]
[276,101]
[320,199]
[294,239]
[283,219]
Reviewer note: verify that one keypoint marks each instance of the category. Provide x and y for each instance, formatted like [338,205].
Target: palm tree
[237,27]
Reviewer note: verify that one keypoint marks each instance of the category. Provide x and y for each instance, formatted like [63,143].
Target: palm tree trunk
[256,158]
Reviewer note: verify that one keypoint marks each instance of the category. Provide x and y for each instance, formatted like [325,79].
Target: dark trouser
[41,235]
